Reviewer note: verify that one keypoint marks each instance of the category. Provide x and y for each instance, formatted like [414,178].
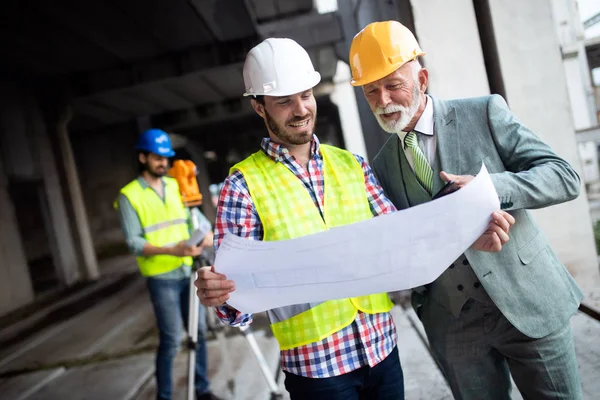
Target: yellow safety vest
[164,224]
[286,211]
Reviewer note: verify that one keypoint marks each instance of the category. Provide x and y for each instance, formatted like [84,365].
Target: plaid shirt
[366,341]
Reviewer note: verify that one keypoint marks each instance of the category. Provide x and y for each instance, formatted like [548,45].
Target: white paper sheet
[392,252]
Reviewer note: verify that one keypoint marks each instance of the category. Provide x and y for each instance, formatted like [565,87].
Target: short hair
[415,66]
[259,99]
[140,165]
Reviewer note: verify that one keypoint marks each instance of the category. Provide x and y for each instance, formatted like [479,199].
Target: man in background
[156,226]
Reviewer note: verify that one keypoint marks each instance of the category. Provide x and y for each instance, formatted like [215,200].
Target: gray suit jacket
[526,280]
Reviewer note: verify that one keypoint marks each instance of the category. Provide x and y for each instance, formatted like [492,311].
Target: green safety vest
[286,211]
[164,224]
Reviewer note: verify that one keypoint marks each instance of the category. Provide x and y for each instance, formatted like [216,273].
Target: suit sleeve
[535,176]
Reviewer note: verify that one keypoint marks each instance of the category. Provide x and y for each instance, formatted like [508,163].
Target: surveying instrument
[184,171]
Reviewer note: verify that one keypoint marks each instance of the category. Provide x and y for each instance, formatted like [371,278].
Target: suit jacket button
[465,262]
[451,265]
[460,287]
[477,285]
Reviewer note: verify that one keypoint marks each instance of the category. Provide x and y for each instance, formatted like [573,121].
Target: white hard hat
[278,67]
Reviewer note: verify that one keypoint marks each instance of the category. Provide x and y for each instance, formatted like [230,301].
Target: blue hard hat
[155,141]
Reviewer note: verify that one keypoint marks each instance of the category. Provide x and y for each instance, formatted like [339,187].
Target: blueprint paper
[388,253]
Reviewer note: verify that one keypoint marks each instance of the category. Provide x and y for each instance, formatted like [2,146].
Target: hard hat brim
[170,153]
[375,77]
[309,83]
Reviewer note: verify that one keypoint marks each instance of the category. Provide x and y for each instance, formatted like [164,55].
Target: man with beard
[156,226]
[339,349]
[295,186]
[488,315]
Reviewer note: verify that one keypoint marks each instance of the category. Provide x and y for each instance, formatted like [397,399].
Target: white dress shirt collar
[425,123]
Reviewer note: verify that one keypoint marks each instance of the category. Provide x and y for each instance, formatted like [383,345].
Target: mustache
[299,119]
[392,108]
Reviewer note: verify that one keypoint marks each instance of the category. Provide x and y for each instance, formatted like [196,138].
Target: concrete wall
[343,96]
[447,32]
[106,162]
[536,88]
[15,285]
[583,116]
[354,16]
[36,241]
[588,151]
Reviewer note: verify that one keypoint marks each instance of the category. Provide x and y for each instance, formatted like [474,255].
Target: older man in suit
[488,315]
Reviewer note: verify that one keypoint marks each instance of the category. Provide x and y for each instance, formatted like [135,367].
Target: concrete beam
[203,115]
[86,244]
[313,30]
[15,282]
[588,135]
[310,30]
[177,64]
[226,19]
[56,216]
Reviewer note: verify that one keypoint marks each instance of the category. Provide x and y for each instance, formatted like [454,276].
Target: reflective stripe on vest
[164,224]
[286,211]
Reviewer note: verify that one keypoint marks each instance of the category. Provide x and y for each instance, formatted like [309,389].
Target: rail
[590,311]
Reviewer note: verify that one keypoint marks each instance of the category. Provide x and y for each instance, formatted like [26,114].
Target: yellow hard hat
[380,49]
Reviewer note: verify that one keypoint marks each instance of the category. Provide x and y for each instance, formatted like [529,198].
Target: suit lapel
[448,141]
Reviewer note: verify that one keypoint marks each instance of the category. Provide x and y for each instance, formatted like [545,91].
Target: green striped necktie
[422,168]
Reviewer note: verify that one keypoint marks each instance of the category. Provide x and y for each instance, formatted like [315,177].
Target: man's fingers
[213,294]
[213,302]
[215,284]
[495,242]
[511,220]
[209,280]
[213,298]
[460,180]
[499,232]
[500,220]
[195,251]
[446,177]
[209,273]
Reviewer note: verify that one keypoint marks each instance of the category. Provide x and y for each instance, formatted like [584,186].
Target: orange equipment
[184,172]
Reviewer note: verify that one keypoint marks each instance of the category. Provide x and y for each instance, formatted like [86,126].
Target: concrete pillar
[571,36]
[343,96]
[58,224]
[355,15]
[534,79]
[197,154]
[15,282]
[447,31]
[86,244]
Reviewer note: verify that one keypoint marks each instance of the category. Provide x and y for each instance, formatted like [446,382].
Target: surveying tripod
[185,174]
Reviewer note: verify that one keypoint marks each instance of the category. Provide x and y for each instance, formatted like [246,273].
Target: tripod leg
[262,363]
[192,341]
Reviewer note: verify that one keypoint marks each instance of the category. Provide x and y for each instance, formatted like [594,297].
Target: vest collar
[279,152]
[145,185]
